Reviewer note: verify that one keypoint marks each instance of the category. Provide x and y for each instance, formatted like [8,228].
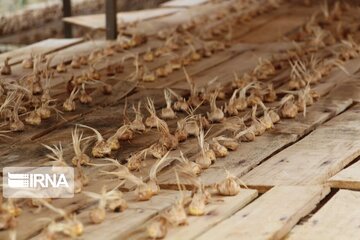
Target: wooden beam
[67,13]
[111,24]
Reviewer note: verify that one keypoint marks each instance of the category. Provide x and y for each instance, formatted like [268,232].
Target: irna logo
[41,182]
[18,180]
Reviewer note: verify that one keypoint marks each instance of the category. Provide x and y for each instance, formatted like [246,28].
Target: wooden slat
[136,215]
[152,26]
[349,88]
[84,48]
[183,3]
[97,21]
[337,219]
[271,216]
[281,24]
[238,58]
[250,154]
[315,158]
[218,210]
[43,47]
[66,54]
[348,178]
[239,64]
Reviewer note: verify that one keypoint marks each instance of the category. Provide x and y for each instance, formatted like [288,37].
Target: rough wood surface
[281,207]
[348,178]
[218,210]
[129,220]
[39,48]
[337,219]
[315,158]
[250,154]
[97,21]
[271,216]
[183,3]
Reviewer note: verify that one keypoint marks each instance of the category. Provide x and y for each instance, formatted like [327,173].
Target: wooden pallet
[293,171]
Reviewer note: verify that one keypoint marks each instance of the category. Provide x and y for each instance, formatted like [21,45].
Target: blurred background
[23,22]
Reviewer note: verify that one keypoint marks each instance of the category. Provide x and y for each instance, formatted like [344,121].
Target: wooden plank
[136,215]
[351,88]
[286,132]
[218,59]
[221,64]
[348,178]
[280,25]
[183,3]
[97,21]
[315,158]
[137,211]
[84,48]
[152,26]
[238,63]
[42,47]
[65,55]
[218,210]
[337,219]
[271,216]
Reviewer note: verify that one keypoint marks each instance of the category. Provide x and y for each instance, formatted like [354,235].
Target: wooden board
[84,48]
[105,114]
[280,25]
[315,158]
[337,219]
[271,216]
[138,213]
[183,3]
[152,26]
[81,49]
[43,47]
[239,63]
[218,210]
[97,21]
[348,178]
[250,154]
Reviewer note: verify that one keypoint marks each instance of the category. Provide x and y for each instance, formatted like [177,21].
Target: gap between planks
[285,133]
[337,219]
[315,158]
[219,209]
[348,178]
[271,216]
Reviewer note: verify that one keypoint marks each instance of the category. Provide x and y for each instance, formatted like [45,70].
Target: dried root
[69,104]
[80,156]
[168,112]
[288,109]
[152,120]
[216,114]
[137,124]
[101,147]
[206,155]
[229,186]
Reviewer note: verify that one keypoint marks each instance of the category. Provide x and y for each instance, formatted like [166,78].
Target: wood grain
[337,219]
[315,158]
[348,178]
[271,216]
